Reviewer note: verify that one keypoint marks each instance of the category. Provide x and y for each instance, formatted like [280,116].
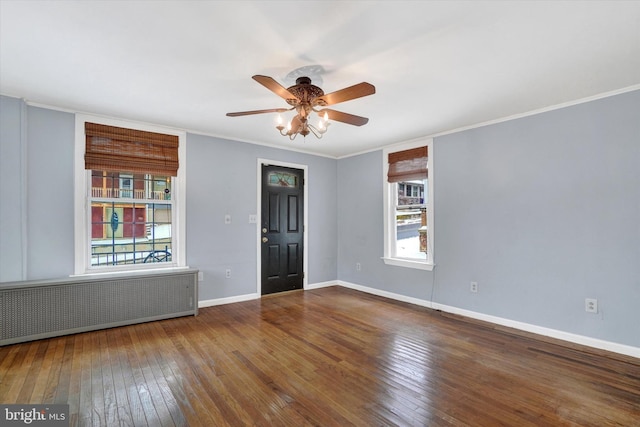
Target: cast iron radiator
[48,308]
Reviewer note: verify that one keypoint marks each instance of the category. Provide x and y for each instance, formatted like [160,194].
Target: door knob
[264,230]
[265,240]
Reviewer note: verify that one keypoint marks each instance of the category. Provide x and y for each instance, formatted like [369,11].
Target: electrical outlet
[227,273]
[358,266]
[474,287]
[253,219]
[591,305]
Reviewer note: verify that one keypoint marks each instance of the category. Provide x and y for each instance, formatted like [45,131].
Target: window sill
[400,262]
[131,272]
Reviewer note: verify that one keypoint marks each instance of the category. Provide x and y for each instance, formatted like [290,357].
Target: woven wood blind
[113,148]
[407,165]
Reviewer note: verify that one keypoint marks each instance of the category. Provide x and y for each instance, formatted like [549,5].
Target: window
[130,224]
[412,189]
[408,207]
[128,197]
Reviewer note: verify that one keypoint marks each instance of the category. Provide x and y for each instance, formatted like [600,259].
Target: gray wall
[542,212]
[221,179]
[12,241]
[36,193]
[360,227]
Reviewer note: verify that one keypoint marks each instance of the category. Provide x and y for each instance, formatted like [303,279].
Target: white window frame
[82,205]
[390,209]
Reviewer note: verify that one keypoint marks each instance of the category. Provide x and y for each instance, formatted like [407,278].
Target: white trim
[186,130]
[506,119]
[541,110]
[320,285]
[79,200]
[116,274]
[539,330]
[295,149]
[386,294]
[399,262]
[82,226]
[389,208]
[249,297]
[265,144]
[305,234]
[227,300]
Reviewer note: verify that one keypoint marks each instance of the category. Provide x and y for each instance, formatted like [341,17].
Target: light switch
[227,219]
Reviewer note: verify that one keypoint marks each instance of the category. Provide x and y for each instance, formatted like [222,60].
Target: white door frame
[305,249]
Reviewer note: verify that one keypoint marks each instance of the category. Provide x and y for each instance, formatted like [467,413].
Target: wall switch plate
[474,287]
[227,219]
[358,266]
[591,305]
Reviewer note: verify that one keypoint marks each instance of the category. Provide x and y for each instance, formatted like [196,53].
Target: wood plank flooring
[325,357]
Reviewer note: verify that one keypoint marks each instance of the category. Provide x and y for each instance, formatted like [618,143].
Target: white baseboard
[551,333]
[321,285]
[527,327]
[248,297]
[386,294]
[228,300]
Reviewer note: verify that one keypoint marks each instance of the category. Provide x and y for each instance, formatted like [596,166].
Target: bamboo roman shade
[407,165]
[113,148]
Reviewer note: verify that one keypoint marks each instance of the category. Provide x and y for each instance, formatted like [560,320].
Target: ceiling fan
[305,98]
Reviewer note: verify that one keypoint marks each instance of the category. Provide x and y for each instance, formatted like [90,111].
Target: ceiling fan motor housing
[304,91]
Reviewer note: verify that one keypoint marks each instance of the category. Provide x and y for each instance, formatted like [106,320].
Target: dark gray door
[282,229]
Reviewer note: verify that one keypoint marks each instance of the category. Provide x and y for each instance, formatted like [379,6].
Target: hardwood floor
[326,357]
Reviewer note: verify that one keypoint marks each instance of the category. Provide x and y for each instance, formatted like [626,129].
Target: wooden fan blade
[346,94]
[247,113]
[347,118]
[274,87]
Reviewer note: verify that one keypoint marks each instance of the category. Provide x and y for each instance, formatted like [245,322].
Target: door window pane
[282,179]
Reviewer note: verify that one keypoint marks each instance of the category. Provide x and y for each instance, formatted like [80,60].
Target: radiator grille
[30,312]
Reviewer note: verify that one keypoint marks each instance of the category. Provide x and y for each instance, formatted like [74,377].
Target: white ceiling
[436,65]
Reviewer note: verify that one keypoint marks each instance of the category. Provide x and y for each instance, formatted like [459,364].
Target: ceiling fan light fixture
[279,123]
[304,97]
[323,125]
[302,127]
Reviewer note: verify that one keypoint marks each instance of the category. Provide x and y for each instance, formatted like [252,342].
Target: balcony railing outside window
[121,193]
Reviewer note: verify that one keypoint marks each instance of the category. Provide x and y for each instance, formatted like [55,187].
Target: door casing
[305,249]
